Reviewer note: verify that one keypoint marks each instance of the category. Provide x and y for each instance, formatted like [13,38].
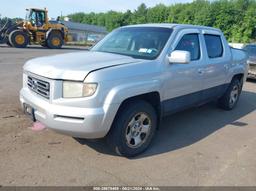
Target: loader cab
[36,17]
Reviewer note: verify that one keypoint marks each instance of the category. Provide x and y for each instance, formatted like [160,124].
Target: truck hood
[74,66]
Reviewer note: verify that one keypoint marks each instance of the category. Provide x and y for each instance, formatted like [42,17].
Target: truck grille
[39,86]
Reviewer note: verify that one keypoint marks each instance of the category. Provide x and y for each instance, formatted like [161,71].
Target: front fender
[122,92]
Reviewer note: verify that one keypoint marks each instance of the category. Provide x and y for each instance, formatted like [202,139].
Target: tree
[158,14]
[127,18]
[236,18]
[113,20]
[140,15]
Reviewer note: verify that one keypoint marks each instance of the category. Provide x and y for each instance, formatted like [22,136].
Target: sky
[16,8]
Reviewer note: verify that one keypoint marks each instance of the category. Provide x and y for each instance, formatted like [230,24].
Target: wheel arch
[153,98]
[26,38]
[239,76]
[239,71]
[50,31]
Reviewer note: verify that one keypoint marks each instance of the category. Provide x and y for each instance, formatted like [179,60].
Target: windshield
[32,17]
[27,15]
[138,42]
[36,17]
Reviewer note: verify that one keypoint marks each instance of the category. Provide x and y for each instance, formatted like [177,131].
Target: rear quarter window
[213,45]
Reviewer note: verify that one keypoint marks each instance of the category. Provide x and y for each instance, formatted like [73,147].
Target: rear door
[216,66]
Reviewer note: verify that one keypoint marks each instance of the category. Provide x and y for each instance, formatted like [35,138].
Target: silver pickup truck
[130,80]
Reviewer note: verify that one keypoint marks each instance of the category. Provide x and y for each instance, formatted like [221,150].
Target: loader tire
[8,43]
[55,41]
[44,45]
[18,39]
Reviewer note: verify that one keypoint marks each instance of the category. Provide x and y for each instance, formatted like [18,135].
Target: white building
[237,45]
[79,32]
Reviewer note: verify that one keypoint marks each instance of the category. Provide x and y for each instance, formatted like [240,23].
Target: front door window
[40,18]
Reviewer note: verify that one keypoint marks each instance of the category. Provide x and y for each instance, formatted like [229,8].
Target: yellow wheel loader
[35,29]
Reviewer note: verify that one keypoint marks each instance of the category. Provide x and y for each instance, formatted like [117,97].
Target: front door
[183,82]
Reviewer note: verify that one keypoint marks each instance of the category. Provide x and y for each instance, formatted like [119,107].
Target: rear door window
[213,45]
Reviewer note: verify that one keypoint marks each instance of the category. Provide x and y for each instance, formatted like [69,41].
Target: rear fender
[239,64]
[241,68]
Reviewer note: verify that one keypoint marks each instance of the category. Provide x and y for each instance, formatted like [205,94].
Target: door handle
[200,71]
[225,66]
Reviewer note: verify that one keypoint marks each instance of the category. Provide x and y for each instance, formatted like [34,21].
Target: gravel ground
[199,147]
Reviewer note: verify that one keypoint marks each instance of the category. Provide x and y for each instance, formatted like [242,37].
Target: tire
[229,100]
[18,39]
[133,128]
[44,45]
[54,41]
[8,43]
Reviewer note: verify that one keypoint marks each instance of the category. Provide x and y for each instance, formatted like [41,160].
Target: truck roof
[174,25]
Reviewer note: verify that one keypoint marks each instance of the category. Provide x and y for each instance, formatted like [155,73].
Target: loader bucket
[3,31]
[1,37]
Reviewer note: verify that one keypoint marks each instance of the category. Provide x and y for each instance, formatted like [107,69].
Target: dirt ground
[203,146]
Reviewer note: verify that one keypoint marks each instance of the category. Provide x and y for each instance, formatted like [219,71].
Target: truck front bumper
[73,121]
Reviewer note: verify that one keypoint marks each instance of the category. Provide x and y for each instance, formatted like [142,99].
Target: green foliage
[140,15]
[158,14]
[236,18]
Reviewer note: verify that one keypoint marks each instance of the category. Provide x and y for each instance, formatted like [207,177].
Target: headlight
[78,89]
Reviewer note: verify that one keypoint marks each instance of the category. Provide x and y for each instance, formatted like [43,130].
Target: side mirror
[179,57]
